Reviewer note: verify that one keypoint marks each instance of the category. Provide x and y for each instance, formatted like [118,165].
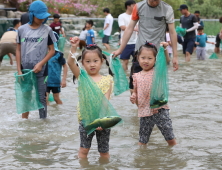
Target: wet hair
[197,12]
[147,46]
[220,20]
[93,48]
[106,10]
[90,22]
[129,3]
[15,22]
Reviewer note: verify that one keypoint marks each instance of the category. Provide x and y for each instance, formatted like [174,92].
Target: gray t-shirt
[187,22]
[34,45]
[152,22]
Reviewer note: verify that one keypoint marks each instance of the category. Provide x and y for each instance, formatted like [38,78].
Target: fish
[104,123]
[158,103]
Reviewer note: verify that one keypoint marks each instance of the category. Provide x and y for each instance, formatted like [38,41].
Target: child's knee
[84,151]
[105,155]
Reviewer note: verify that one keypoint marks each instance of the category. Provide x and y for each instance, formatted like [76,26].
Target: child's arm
[165,44]
[108,93]
[71,61]
[63,33]
[197,43]
[65,70]
[210,42]
[18,59]
[51,52]
[10,56]
[93,40]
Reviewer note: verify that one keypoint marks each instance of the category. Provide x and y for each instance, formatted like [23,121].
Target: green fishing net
[62,41]
[51,98]
[101,34]
[213,56]
[160,87]
[95,109]
[27,97]
[120,81]
[181,31]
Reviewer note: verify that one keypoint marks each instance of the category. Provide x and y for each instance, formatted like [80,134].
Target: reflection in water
[195,102]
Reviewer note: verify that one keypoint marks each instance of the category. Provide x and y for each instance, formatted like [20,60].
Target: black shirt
[187,22]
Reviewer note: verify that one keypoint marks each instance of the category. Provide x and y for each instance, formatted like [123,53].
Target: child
[35,47]
[57,26]
[82,37]
[16,24]
[90,35]
[142,82]
[201,41]
[54,73]
[169,48]
[92,60]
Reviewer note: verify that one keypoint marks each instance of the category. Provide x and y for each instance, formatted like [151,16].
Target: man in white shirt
[123,21]
[107,28]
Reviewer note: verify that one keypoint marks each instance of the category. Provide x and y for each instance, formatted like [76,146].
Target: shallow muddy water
[195,102]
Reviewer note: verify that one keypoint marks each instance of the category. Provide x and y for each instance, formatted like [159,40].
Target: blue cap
[39,10]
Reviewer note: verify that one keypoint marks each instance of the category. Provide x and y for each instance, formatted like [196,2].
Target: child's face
[38,21]
[92,63]
[56,20]
[200,31]
[146,59]
[88,25]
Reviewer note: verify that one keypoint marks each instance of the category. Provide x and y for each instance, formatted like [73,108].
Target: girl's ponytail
[107,63]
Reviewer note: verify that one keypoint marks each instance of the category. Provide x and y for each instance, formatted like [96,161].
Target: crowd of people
[144,29]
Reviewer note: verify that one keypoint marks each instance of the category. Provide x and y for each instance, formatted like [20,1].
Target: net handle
[74,56]
[23,74]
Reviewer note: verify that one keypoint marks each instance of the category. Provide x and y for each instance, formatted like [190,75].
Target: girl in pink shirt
[142,82]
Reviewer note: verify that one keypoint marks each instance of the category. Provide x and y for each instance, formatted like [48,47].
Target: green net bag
[51,98]
[27,97]
[213,56]
[160,87]
[6,57]
[95,109]
[62,41]
[101,34]
[120,81]
[181,31]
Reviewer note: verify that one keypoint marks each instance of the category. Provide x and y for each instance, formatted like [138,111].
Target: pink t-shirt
[142,83]
[169,48]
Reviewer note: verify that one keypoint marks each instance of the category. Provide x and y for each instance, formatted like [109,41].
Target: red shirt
[56,27]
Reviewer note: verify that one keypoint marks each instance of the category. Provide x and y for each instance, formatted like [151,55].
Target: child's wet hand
[133,98]
[37,68]
[165,44]
[99,128]
[63,83]
[74,41]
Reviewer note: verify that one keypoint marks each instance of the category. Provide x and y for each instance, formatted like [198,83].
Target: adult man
[190,22]
[8,45]
[197,14]
[153,15]
[107,30]
[123,21]
[218,39]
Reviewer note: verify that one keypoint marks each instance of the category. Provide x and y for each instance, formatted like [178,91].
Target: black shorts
[106,39]
[217,41]
[188,45]
[53,89]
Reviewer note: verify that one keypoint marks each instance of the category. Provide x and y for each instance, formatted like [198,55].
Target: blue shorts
[188,45]
[127,52]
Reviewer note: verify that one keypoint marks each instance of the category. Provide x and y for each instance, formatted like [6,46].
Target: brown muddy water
[195,101]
